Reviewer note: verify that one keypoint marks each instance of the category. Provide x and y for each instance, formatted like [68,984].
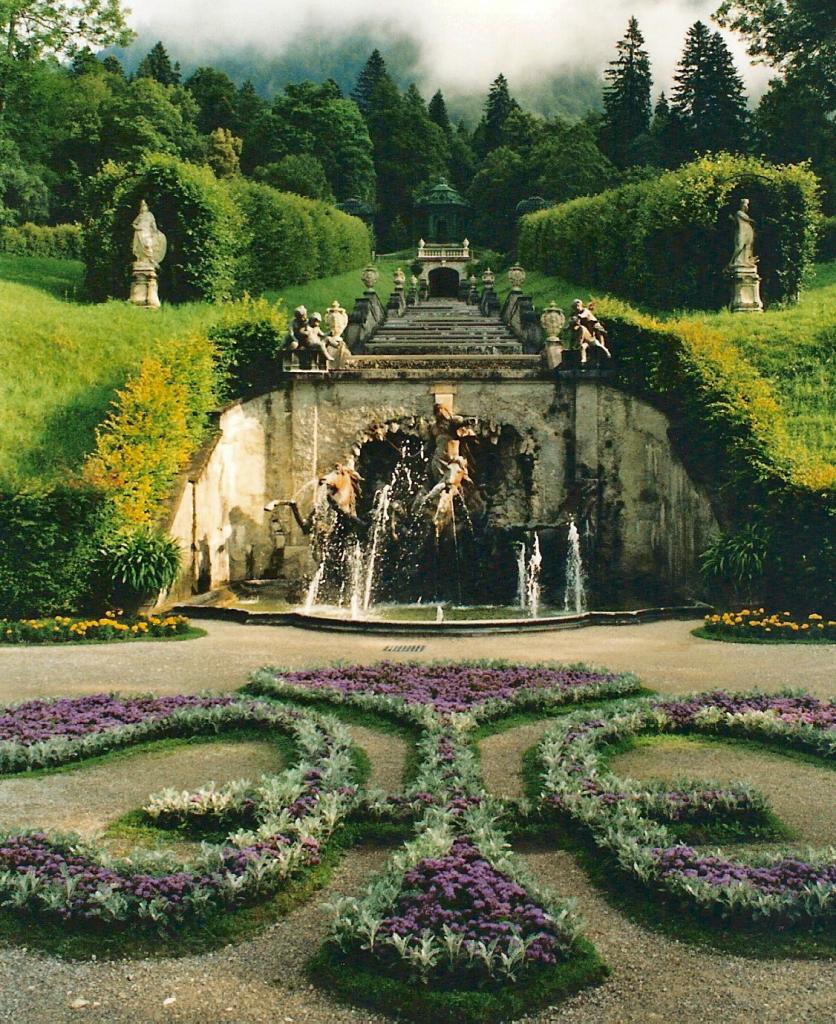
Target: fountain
[528,577]
[575,594]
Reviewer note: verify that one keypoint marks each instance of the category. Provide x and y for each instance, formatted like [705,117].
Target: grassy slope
[793,348]
[63,360]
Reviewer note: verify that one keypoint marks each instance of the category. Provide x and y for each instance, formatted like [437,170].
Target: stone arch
[444,283]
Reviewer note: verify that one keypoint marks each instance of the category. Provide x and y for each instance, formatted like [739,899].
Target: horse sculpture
[341,488]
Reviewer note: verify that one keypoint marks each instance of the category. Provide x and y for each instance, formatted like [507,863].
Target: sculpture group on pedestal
[149,249]
[312,348]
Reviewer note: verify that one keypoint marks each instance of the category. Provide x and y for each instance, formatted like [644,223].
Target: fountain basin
[512,622]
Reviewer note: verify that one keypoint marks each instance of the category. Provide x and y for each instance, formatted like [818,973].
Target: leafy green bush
[158,419]
[62,242]
[143,561]
[248,340]
[667,241]
[50,550]
[195,211]
[739,558]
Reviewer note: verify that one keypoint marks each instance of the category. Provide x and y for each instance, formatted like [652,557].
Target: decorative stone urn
[337,320]
[421,245]
[488,278]
[553,321]
[369,278]
[399,277]
[516,277]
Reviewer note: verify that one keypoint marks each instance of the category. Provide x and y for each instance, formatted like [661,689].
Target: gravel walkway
[261,981]
[88,799]
[656,978]
[802,795]
[502,755]
[663,654]
[387,754]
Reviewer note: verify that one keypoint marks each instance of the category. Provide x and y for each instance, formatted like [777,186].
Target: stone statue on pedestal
[149,249]
[743,266]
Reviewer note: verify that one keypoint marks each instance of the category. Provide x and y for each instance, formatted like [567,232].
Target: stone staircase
[443,329]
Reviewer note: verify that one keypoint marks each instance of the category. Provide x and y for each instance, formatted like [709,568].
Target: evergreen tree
[248,106]
[626,95]
[217,98]
[708,95]
[438,113]
[374,71]
[157,64]
[498,106]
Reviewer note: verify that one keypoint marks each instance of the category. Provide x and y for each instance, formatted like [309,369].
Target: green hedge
[50,551]
[291,240]
[224,237]
[196,212]
[667,241]
[62,242]
[730,433]
[827,239]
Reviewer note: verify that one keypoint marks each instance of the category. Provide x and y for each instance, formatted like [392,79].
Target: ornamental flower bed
[756,624]
[623,818]
[464,903]
[293,814]
[425,691]
[63,629]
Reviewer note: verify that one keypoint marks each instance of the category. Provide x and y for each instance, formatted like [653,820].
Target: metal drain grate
[404,648]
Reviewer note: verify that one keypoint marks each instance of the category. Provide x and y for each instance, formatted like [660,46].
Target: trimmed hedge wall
[667,241]
[224,237]
[62,242]
[729,432]
[827,239]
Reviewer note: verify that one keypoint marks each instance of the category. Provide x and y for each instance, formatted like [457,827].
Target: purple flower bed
[447,688]
[779,878]
[464,892]
[39,720]
[52,863]
[795,710]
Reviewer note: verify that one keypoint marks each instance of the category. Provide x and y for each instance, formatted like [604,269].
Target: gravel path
[88,799]
[387,754]
[802,795]
[502,755]
[656,978]
[261,981]
[663,654]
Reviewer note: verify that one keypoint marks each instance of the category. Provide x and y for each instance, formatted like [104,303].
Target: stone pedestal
[552,354]
[746,284]
[144,285]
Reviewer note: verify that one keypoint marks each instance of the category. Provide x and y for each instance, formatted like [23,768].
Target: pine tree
[626,96]
[374,71]
[157,64]
[438,113]
[708,95]
[498,106]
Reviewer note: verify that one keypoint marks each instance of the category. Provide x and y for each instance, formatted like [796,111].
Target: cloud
[462,47]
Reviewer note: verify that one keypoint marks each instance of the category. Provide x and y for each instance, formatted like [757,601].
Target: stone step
[451,351]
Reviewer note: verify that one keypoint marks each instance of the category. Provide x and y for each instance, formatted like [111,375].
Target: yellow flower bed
[110,626]
[755,623]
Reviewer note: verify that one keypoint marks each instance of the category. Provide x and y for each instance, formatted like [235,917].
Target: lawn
[63,359]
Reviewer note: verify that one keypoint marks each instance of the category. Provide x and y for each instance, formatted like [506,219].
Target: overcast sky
[463,45]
